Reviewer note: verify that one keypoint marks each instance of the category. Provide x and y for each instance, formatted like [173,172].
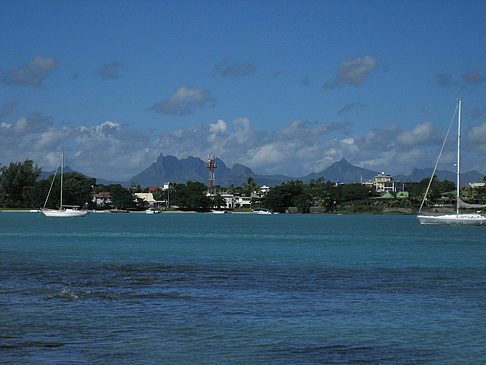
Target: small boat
[118,211]
[152,211]
[64,211]
[219,212]
[262,211]
[464,219]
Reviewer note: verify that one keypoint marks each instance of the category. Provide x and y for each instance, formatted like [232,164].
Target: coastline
[193,211]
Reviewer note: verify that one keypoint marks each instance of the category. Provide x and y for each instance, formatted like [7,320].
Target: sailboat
[467,219]
[64,210]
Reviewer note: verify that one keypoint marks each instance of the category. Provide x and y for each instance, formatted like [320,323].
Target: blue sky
[283,87]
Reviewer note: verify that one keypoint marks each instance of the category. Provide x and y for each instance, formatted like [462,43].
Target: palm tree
[251,186]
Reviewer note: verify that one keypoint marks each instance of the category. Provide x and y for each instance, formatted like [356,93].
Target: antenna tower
[211,165]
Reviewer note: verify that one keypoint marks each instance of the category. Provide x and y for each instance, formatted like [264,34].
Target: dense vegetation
[21,187]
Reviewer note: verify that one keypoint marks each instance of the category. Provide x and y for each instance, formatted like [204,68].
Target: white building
[229,200]
[477,185]
[384,183]
[167,186]
[242,201]
[264,189]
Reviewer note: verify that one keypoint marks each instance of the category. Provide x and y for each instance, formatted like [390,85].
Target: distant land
[170,168]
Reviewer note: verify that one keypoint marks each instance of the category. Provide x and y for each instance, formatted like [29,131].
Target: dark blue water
[207,289]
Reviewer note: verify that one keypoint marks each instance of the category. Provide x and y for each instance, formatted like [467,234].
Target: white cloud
[269,154]
[219,126]
[31,74]
[110,150]
[353,72]
[477,137]
[424,133]
[477,133]
[184,101]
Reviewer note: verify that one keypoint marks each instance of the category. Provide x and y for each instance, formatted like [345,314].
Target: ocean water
[240,289]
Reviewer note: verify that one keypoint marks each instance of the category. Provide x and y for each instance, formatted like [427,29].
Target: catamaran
[64,210]
[469,219]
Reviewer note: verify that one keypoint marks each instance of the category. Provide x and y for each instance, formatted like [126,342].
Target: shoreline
[195,212]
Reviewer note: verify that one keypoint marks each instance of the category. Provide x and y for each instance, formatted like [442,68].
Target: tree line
[22,187]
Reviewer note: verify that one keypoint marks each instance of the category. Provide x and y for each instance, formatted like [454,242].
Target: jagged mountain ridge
[170,168]
[419,174]
[342,170]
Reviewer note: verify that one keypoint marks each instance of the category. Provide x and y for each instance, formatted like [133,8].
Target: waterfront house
[242,201]
[229,201]
[146,197]
[102,199]
[384,183]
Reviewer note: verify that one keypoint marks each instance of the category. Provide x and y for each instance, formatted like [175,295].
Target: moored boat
[262,211]
[64,211]
[463,219]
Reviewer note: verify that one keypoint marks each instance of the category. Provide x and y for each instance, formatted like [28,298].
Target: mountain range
[170,168]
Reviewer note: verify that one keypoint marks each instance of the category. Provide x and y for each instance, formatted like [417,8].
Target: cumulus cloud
[110,71]
[477,136]
[113,151]
[235,69]
[105,150]
[306,131]
[475,145]
[378,139]
[32,74]
[26,135]
[353,72]
[292,149]
[424,133]
[473,78]
[32,124]
[184,101]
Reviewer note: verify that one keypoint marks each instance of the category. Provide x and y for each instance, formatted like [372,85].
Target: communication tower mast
[211,165]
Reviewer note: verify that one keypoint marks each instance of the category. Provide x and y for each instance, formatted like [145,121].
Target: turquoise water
[207,289]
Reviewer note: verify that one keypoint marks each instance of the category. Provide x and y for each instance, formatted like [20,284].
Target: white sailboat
[64,210]
[469,219]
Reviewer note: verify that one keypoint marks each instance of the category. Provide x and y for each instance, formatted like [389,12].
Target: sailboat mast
[458,157]
[62,173]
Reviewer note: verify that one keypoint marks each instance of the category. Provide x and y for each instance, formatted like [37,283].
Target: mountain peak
[342,162]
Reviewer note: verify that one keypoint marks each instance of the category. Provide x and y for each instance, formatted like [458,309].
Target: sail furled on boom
[462,204]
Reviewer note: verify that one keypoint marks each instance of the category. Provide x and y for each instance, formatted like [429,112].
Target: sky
[282,87]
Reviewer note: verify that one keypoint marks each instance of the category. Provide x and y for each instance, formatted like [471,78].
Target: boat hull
[453,219]
[64,213]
